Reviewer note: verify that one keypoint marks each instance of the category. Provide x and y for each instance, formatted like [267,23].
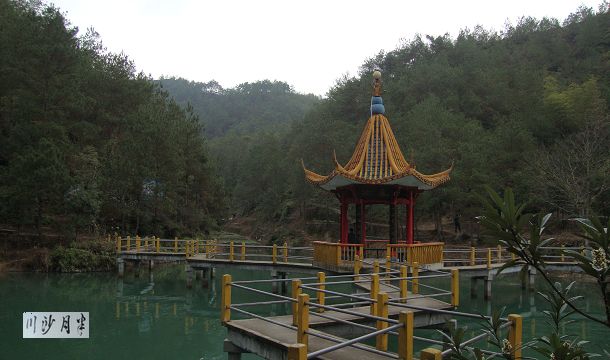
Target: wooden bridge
[336,258]
[389,295]
[334,324]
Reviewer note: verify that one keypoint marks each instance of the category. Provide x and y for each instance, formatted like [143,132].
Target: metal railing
[309,299]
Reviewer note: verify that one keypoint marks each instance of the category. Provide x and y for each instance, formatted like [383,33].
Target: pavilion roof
[377,159]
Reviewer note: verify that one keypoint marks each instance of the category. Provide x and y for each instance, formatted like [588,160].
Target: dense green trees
[522,108]
[87,144]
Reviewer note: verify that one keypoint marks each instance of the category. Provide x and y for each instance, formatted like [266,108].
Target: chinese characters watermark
[73,325]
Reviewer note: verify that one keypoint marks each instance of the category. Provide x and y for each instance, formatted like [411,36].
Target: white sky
[309,44]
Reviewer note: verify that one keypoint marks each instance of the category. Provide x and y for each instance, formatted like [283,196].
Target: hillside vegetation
[87,145]
[526,107]
[90,146]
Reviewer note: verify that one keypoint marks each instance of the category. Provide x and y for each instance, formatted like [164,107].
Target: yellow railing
[380,302]
[154,245]
[337,254]
[231,251]
[326,253]
[424,253]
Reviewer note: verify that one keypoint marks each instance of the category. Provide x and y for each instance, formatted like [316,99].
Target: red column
[343,220]
[410,219]
[363,222]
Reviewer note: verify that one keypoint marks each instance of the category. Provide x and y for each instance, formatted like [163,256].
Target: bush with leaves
[523,235]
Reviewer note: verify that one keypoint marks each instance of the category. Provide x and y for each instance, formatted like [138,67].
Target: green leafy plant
[558,347]
[492,326]
[522,235]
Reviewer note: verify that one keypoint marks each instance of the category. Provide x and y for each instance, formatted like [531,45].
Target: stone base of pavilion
[340,257]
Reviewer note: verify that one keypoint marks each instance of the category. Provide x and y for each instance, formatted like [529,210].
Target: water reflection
[154,316]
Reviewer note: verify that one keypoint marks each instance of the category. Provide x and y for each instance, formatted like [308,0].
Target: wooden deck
[271,341]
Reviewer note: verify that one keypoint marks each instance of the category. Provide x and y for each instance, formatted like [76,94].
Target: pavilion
[377,173]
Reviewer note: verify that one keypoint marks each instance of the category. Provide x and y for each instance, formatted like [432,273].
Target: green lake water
[156,317]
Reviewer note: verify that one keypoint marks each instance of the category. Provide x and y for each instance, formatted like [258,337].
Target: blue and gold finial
[376,101]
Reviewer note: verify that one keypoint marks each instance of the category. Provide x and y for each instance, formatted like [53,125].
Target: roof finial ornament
[376,101]
[377,82]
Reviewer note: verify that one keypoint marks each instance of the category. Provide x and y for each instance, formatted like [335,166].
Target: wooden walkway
[271,341]
[201,261]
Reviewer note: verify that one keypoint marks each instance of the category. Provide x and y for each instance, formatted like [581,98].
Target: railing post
[403,284]
[388,251]
[303,320]
[415,281]
[455,287]
[158,244]
[375,266]
[374,293]
[225,309]
[243,251]
[357,266]
[128,242]
[563,256]
[274,254]
[405,336]
[118,244]
[472,256]
[515,335]
[489,258]
[321,287]
[430,354]
[296,291]
[297,352]
[382,311]
[138,243]
[285,252]
[442,256]
[338,254]
[176,244]
[388,267]
[196,246]
[231,254]
[500,254]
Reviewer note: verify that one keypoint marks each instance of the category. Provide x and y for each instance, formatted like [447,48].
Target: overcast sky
[308,44]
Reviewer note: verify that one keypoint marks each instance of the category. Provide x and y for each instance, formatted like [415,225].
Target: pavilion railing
[423,253]
[335,254]
[328,254]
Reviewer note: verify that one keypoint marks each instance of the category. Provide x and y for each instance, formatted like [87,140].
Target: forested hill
[526,107]
[249,107]
[87,145]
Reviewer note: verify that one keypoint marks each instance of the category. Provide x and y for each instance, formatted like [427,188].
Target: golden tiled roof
[377,159]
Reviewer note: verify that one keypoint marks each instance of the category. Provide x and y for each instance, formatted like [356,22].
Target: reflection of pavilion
[377,173]
[149,307]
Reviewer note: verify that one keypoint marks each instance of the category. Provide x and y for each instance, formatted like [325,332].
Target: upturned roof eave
[412,178]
